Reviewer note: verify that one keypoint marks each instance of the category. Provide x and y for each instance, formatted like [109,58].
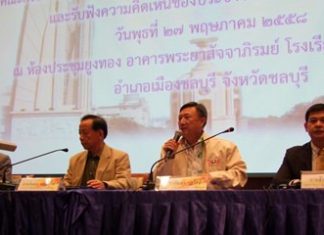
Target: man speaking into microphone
[218,159]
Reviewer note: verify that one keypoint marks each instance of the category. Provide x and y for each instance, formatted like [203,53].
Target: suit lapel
[308,154]
[80,167]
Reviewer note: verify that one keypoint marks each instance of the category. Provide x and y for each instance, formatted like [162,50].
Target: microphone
[150,184]
[7,166]
[169,153]
[285,184]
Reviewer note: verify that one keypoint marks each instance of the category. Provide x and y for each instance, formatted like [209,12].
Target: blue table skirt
[272,212]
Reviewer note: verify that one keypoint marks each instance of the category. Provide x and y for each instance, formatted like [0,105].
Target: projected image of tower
[48,52]
[223,103]
[50,92]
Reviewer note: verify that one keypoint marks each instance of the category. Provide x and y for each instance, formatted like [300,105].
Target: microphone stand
[150,184]
[10,186]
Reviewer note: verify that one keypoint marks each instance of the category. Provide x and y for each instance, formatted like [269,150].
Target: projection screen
[256,65]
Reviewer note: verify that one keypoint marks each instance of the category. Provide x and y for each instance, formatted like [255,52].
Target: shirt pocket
[216,162]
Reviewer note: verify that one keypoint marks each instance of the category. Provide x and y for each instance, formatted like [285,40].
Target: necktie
[90,169]
[319,162]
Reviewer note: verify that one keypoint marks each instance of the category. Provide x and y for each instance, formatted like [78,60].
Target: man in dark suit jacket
[301,158]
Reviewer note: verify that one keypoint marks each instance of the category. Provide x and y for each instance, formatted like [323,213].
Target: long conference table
[272,212]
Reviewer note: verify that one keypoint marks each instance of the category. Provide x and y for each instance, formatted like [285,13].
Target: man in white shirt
[218,159]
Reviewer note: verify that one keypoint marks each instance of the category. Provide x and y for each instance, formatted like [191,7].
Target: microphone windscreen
[230,129]
[177,135]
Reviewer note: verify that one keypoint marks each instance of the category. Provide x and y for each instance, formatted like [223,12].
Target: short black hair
[98,123]
[201,109]
[314,108]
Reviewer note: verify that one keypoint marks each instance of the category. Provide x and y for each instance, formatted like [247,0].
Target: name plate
[181,183]
[312,179]
[40,184]
[5,145]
